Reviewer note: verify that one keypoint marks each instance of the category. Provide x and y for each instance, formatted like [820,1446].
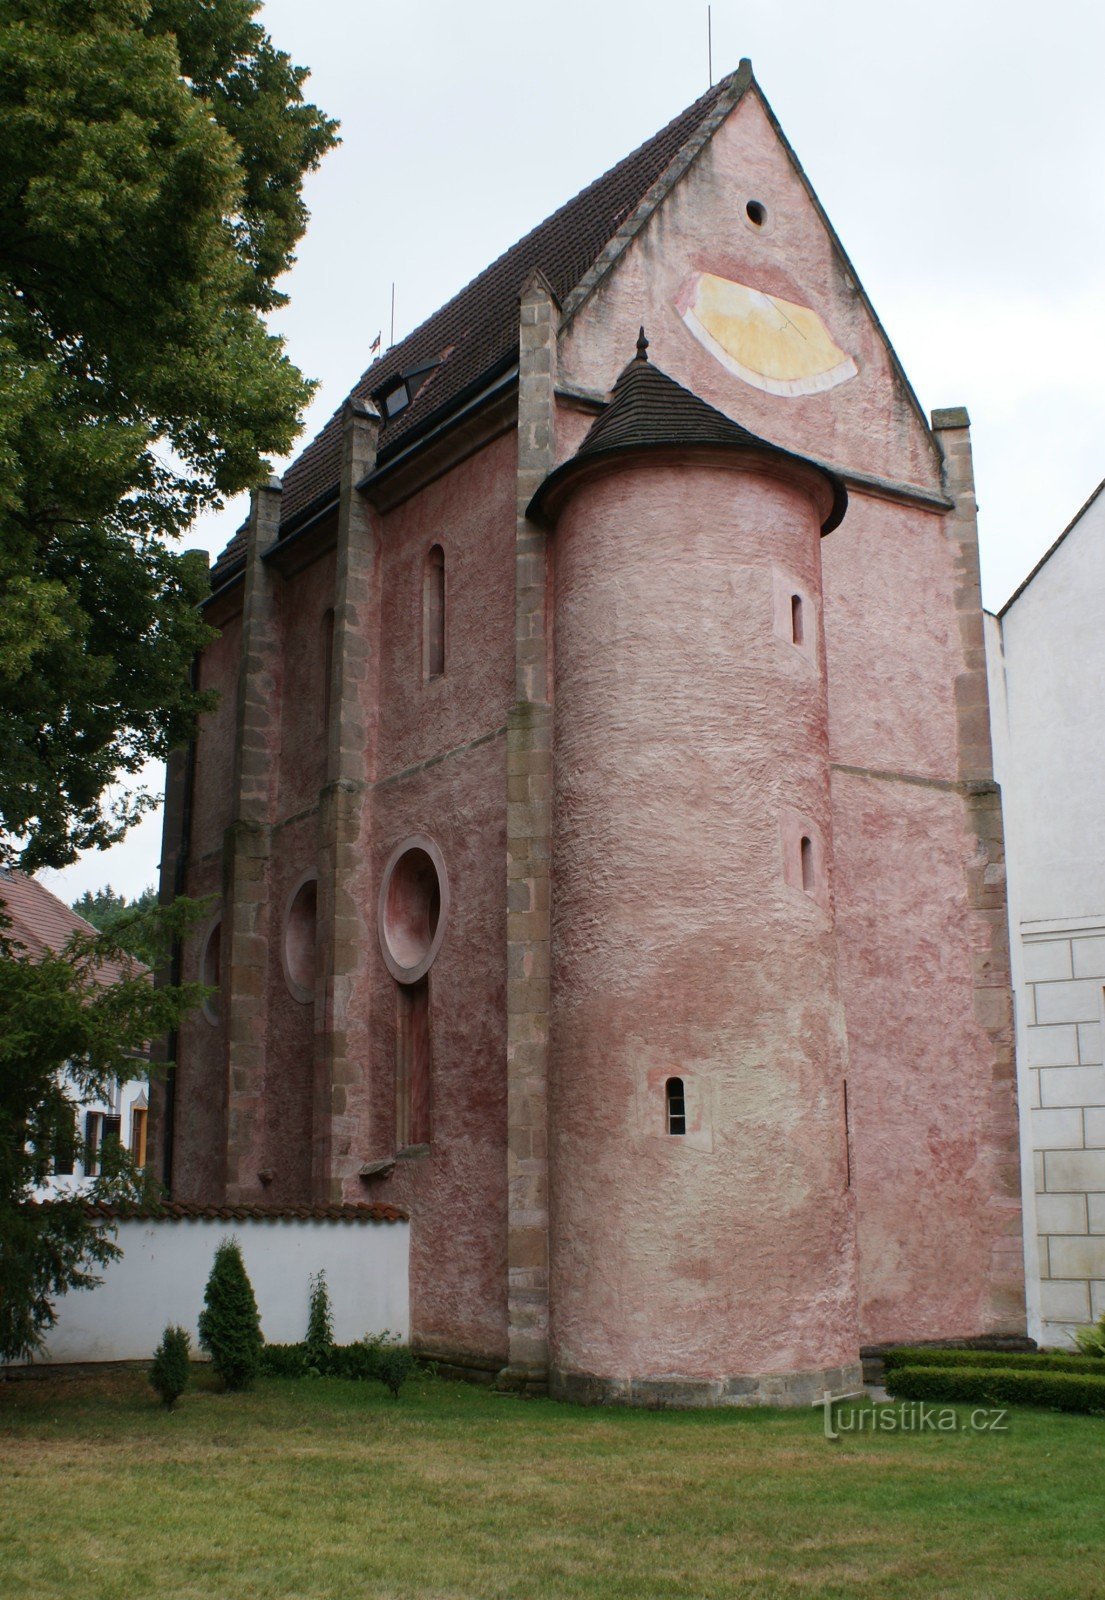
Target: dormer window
[397,398]
[398,392]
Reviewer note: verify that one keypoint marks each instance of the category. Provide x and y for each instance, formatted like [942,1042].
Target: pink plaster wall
[199,1142]
[305,597]
[213,786]
[893,654]
[440,770]
[470,513]
[929,1199]
[457,1193]
[868,423]
[685,729]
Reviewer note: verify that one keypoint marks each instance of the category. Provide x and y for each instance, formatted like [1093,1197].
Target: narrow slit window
[809,879]
[676,1106]
[412,1064]
[797,630]
[433,614]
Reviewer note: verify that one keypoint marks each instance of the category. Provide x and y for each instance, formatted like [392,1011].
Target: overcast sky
[958,149]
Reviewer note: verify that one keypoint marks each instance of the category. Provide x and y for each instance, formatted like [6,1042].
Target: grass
[320,1489]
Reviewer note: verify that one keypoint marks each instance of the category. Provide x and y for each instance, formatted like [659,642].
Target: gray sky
[959,150]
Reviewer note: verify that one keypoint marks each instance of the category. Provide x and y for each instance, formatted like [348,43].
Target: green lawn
[328,1489]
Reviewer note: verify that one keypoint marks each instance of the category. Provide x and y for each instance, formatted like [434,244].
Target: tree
[169,1370]
[319,1345]
[133,922]
[65,1034]
[229,1324]
[152,154]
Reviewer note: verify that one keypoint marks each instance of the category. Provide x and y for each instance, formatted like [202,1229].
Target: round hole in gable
[756,212]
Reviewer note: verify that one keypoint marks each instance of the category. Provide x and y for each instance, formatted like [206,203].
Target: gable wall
[937,1223]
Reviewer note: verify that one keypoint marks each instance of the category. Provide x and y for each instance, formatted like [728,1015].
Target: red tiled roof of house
[475,335]
[40,922]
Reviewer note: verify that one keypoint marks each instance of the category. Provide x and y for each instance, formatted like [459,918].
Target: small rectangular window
[676,1106]
[796,629]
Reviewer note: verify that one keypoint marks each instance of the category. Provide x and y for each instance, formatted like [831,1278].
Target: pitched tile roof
[649,410]
[40,922]
[475,335]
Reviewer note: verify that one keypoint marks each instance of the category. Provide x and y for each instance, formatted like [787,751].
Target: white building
[41,922]
[1046,657]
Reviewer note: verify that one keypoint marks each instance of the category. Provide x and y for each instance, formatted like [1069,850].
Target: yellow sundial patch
[771,343]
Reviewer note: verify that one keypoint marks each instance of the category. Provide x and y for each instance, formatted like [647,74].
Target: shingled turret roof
[474,337]
[648,411]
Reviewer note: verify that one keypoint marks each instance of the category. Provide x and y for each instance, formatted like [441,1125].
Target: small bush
[394,1366]
[319,1343]
[1091,1340]
[376,1356]
[169,1373]
[1061,1391]
[991,1360]
[229,1325]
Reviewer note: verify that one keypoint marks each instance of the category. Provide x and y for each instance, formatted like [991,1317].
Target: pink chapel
[600,814]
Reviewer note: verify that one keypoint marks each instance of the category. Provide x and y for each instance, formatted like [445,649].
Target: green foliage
[229,1324]
[394,1367]
[319,1344]
[66,1037]
[152,154]
[1004,1360]
[170,1369]
[379,1357]
[284,1361]
[133,922]
[1091,1340]
[994,1386]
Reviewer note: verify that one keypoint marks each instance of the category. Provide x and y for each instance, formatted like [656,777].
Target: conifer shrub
[170,1369]
[990,1386]
[319,1344]
[229,1324]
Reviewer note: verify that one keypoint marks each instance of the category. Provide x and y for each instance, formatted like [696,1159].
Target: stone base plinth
[672,1390]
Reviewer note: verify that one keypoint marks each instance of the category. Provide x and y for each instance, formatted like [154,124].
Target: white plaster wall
[1046,658]
[165,1264]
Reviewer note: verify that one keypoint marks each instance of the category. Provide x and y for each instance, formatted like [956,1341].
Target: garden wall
[167,1257]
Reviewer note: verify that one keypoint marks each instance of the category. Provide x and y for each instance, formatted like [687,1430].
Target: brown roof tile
[475,335]
[174,1211]
[41,922]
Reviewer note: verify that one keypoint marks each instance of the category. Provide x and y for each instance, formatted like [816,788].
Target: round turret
[702,1234]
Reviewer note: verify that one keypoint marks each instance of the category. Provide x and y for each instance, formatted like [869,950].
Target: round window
[414,904]
[298,948]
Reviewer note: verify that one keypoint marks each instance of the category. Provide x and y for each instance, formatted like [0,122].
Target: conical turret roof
[648,410]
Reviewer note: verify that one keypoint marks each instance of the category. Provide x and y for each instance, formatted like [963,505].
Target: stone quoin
[600,808]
